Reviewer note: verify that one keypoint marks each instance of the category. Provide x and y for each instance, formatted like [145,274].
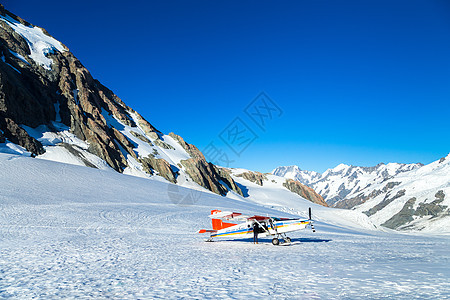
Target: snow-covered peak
[40,44]
[340,167]
[294,172]
[287,171]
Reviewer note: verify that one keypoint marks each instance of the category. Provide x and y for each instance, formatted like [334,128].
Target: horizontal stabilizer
[206,230]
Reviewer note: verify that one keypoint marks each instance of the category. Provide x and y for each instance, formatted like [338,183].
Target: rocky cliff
[304,191]
[265,185]
[255,177]
[45,91]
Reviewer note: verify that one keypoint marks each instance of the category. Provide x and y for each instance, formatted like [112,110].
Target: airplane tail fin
[217,224]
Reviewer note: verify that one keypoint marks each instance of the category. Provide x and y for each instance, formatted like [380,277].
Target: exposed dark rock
[304,191]
[255,177]
[141,137]
[114,105]
[390,186]
[2,137]
[352,202]
[148,128]
[209,176]
[159,165]
[440,195]
[353,176]
[190,149]
[226,178]
[204,175]
[384,203]
[432,209]
[18,135]
[77,153]
[343,192]
[407,213]
[360,199]
[24,98]
[160,143]
[403,217]
[442,160]
[102,143]
[124,142]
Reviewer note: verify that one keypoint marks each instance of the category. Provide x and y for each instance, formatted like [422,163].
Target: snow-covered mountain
[51,108]
[414,200]
[334,185]
[396,196]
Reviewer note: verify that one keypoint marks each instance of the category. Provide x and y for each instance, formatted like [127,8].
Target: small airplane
[268,226]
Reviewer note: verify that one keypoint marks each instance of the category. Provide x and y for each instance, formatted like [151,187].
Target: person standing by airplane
[255,232]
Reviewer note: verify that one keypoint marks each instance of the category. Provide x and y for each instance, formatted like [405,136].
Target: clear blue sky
[359,82]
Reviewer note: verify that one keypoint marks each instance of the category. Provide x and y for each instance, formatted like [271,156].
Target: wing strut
[266,230]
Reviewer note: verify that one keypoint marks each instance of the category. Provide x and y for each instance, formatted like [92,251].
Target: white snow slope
[74,232]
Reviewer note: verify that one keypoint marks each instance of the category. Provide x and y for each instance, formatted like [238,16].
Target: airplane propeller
[310,221]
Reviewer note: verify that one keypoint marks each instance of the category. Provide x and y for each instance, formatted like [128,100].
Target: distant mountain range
[342,181]
[396,196]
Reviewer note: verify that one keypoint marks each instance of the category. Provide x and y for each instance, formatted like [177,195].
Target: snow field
[76,232]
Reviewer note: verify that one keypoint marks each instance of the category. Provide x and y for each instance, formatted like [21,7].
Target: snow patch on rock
[39,43]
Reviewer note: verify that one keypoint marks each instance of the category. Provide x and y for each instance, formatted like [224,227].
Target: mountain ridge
[336,183]
[52,108]
[45,86]
[395,196]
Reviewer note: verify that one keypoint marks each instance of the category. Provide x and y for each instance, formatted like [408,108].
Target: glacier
[68,231]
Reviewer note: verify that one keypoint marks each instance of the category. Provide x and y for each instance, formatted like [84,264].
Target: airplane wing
[259,218]
[228,215]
